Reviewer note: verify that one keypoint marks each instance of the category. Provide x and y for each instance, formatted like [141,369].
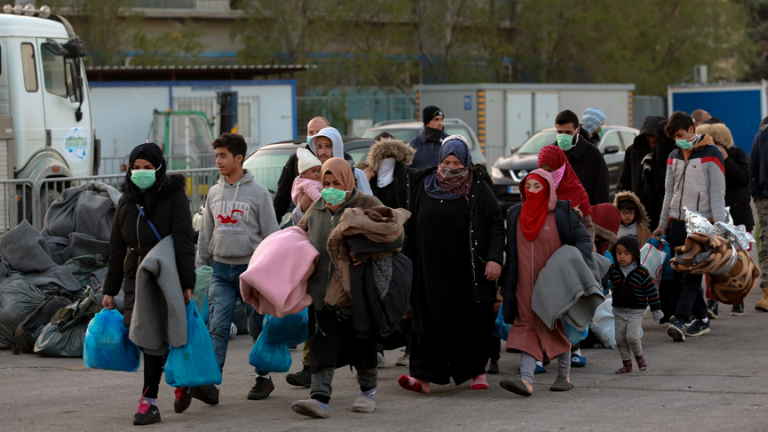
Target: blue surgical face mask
[309,138]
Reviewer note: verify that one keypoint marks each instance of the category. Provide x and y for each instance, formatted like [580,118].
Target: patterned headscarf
[451,183]
[570,187]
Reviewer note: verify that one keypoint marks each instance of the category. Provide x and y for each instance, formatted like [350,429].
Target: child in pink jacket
[307,187]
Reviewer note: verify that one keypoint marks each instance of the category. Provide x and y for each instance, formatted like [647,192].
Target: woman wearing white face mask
[153,205]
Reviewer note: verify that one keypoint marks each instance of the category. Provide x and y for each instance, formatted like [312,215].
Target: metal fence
[119,164]
[340,110]
[15,203]
[35,199]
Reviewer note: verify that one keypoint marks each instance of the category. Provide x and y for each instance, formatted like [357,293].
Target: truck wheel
[47,197]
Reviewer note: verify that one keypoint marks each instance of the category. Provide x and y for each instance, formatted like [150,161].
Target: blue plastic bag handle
[151,225]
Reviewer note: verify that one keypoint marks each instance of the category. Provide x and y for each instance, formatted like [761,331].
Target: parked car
[406,130]
[509,171]
[267,162]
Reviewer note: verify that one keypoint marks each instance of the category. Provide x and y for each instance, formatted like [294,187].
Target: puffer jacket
[132,239]
[427,149]
[698,183]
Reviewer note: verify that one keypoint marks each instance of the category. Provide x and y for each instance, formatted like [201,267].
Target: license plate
[513,190]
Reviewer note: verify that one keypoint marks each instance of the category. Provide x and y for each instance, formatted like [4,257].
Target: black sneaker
[208,394]
[261,389]
[698,328]
[676,331]
[146,414]
[493,369]
[737,309]
[300,379]
[183,399]
[712,305]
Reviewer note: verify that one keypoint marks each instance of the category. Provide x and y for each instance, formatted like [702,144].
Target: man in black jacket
[631,174]
[427,143]
[282,200]
[585,158]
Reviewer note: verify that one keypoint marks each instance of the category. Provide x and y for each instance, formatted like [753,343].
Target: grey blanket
[86,209]
[569,288]
[58,281]
[25,249]
[159,313]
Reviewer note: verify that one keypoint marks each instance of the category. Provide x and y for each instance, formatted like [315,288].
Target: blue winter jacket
[427,152]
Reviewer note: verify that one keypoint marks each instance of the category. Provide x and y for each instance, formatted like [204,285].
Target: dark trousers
[153,372]
[691,299]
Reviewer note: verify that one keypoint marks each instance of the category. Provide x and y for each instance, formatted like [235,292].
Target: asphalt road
[714,383]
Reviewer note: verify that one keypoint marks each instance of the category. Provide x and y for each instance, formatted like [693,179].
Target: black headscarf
[154,154]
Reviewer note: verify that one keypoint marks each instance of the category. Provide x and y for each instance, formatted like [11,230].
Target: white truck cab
[43,98]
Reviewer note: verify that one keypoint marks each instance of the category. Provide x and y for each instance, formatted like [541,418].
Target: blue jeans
[224,292]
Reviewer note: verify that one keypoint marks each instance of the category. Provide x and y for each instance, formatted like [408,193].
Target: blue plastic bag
[107,345]
[194,364]
[271,352]
[666,270]
[500,328]
[574,336]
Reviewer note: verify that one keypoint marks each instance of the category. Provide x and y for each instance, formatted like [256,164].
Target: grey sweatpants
[322,381]
[629,334]
[528,365]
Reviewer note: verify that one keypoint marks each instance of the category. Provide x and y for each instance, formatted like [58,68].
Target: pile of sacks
[45,277]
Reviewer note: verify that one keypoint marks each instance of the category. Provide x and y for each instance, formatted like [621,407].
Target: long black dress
[449,326]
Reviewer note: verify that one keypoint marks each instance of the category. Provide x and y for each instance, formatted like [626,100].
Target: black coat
[132,238]
[282,200]
[427,149]
[571,231]
[664,146]
[737,178]
[486,232]
[397,194]
[632,170]
[590,168]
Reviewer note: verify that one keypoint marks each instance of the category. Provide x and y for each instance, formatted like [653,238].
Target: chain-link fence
[342,110]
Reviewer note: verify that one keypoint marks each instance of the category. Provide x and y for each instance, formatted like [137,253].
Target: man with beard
[427,143]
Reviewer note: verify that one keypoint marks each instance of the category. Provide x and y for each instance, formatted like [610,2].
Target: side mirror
[611,149]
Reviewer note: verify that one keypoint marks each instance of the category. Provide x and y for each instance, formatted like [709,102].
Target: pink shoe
[412,384]
[479,383]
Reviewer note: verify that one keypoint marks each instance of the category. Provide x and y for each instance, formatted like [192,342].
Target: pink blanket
[276,280]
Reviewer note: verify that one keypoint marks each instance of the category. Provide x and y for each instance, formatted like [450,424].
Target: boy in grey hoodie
[238,216]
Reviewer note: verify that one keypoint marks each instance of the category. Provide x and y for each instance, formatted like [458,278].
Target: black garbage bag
[65,335]
[18,299]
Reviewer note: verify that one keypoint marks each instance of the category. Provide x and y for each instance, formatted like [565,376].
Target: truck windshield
[54,73]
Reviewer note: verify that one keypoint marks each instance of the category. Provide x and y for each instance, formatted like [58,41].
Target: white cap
[307,160]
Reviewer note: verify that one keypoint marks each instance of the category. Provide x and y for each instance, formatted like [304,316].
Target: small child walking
[633,292]
[634,218]
[306,187]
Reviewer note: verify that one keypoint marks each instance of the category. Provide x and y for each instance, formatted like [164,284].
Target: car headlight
[496,173]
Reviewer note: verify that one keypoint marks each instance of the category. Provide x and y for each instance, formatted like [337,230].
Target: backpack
[27,332]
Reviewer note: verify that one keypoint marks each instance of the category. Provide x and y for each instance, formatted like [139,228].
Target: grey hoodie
[361,181]
[236,219]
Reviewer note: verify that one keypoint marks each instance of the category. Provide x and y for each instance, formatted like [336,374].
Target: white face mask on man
[386,172]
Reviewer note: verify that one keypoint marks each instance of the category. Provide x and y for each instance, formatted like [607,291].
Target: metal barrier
[113,165]
[44,193]
[15,203]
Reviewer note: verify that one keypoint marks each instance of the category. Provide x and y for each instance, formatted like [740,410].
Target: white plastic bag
[603,326]
[653,260]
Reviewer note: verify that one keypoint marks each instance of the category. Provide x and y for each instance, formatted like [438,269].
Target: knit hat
[431,112]
[307,160]
[629,243]
[592,119]
[606,218]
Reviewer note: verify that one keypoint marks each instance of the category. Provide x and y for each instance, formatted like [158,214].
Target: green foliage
[171,47]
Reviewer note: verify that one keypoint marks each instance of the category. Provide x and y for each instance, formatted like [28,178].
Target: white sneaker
[380,355]
[232,331]
[405,360]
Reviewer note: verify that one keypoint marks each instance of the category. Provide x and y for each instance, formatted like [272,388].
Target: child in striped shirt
[633,292]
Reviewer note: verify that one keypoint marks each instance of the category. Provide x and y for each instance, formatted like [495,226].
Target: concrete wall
[494,115]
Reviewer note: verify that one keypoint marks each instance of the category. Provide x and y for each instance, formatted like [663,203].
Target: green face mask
[602,132]
[333,196]
[564,141]
[309,138]
[143,179]
[684,144]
